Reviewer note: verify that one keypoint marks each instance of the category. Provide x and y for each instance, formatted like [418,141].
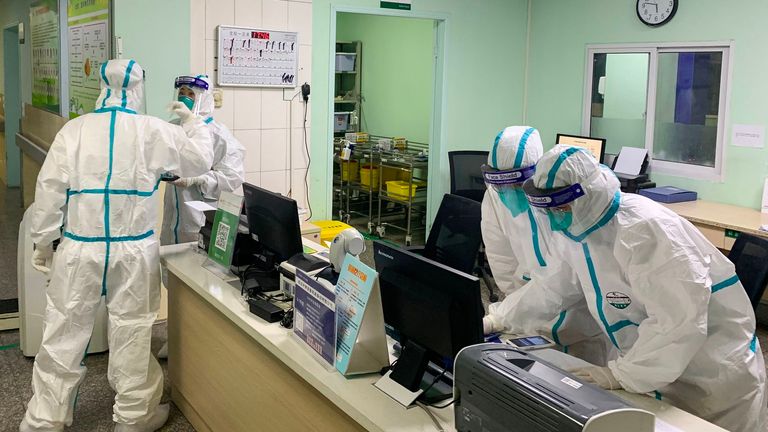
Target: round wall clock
[656,12]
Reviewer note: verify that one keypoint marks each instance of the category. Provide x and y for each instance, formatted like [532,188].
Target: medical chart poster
[353,290]
[314,316]
[44,29]
[88,29]
[225,224]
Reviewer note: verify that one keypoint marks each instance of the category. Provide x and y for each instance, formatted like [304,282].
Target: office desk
[232,372]
[718,222]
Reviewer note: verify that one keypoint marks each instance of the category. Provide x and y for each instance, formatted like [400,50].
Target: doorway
[386,106]
[10,179]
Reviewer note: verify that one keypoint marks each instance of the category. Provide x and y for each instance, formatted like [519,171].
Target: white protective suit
[668,300]
[96,192]
[511,238]
[181,224]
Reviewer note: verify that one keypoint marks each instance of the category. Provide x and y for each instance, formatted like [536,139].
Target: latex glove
[186,182]
[42,257]
[181,110]
[491,325]
[599,376]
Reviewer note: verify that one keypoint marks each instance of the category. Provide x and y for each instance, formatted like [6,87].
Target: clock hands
[656,5]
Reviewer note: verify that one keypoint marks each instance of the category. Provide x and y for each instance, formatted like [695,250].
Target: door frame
[11,143]
[439,107]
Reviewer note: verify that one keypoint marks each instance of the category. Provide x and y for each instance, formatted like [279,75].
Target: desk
[714,219]
[232,372]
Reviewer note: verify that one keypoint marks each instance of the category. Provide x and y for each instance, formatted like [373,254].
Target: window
[669,99]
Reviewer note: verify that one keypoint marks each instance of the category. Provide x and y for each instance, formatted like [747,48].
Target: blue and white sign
[314,316]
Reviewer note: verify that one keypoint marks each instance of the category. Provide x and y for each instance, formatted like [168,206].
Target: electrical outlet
[218,98]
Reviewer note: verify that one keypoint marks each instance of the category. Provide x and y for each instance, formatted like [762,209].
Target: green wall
[561,29]
[11,12]
[159,41]
[397,72]
[483,80]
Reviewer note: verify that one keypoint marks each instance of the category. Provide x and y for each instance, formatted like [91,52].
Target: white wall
[260,118]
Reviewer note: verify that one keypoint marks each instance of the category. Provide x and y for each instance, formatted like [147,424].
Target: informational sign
[250,57]
[396,4]
[44,31]
[748,136]
[225,223]
[314,316]
[361,346]
[88,29]
[765,197]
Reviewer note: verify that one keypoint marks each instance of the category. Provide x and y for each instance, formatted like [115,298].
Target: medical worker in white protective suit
[514,250]
[181,223]
[668,300]
[96,192]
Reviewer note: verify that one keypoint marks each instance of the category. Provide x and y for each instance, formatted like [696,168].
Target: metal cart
[409,208]
[352,197]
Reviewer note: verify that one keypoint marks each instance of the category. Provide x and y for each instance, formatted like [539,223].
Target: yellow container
[329,229]
[369,175]
[348,167]
[388,174]
[399,189]
[404,176]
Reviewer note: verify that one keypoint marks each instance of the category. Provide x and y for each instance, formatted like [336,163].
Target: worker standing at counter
[668,300]
[96,190]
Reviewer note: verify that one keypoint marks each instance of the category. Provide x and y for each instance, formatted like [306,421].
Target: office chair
[466,176]
[750,256]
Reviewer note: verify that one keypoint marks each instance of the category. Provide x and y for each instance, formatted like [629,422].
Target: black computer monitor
[273,221]
[596,146]
[435,310]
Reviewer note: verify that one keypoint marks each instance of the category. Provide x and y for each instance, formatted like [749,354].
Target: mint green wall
[483,73]
[397,72]
[11,12]
[561,29]
[157,35]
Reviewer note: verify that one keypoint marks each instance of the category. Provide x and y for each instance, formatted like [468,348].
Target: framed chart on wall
[250,57]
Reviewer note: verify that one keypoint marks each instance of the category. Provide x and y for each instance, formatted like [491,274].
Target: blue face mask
[188,101]
[514,199]
[560,220]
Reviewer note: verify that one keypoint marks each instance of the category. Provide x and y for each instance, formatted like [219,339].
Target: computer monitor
[273,221]
[596,146]
[435,310]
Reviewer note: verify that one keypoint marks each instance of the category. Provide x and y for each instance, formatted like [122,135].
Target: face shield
[508,185]
[189,90]
[555,203]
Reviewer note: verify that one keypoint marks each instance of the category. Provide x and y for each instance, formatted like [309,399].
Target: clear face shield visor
[499,180]
[552,201]
[189,90]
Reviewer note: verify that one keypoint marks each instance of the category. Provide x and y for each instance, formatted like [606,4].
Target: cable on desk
[431,416]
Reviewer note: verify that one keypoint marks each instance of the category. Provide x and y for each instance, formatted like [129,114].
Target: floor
[94,403]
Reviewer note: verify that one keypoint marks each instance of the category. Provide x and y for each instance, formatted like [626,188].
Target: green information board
[45,41]
[89,47]
[225,223]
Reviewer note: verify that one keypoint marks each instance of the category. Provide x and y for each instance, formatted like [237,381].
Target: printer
[498,388]
[633,183]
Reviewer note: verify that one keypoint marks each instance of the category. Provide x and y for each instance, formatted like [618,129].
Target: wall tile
[226,114]
[299,155]
[247,108]
[297,188]
[251,140]
[275,14]
[300,20]
[275,181]
[274,149]
[274,110]
[248,13]
[218,12]
[253,178]
[210,58]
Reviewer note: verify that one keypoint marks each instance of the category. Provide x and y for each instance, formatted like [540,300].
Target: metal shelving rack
[350,193]
[349,83]
[413,207]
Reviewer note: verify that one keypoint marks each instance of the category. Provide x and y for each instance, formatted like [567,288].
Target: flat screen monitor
[428,303]
[273,221]
[596,146]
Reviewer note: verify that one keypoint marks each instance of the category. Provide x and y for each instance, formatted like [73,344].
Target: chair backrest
[750,256]
[455,237]
[466,175]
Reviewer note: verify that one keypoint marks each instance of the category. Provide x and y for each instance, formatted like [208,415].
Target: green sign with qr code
[225,223]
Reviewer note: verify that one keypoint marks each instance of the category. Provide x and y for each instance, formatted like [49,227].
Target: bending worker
[668,300]
[181,223]
[515,252]
[97,187]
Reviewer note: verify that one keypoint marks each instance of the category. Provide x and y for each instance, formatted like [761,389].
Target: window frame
[716,173]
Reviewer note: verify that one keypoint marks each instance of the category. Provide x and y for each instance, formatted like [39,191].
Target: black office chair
[750,256]
[466,176]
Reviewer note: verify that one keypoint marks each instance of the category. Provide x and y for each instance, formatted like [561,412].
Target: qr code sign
[298,322]
[222,235]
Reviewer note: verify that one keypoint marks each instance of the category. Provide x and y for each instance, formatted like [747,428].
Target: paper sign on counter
[200,206]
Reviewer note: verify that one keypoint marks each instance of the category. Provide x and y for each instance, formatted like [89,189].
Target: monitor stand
[411,379]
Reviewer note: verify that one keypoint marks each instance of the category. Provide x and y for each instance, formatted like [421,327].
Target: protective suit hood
[122,86]
[564,166]
[516,147]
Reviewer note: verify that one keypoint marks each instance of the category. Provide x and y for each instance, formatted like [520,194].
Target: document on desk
[630,160]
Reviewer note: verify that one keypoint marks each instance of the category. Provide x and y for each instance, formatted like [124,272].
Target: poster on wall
[88,29]
[44,41]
